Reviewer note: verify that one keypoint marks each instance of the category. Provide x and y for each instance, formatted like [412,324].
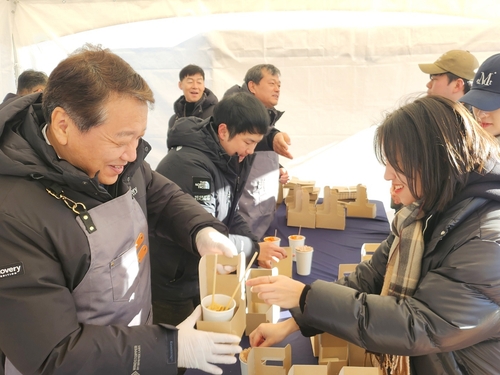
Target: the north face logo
[204,185]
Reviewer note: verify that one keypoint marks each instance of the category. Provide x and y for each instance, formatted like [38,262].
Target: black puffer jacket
[451,325]
[39,329]
[203,108]
[199,165]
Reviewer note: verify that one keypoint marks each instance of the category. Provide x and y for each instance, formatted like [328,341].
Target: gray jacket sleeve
[243,237]
[450,310]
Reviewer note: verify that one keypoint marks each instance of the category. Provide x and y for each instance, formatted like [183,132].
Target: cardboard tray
[225,284]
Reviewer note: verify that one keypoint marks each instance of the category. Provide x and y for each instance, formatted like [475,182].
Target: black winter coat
[451,325]
[199,165]
[39,329]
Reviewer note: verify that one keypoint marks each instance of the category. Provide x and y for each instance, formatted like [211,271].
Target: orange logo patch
[143,250]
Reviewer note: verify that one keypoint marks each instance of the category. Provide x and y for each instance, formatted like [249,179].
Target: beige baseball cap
[459,62]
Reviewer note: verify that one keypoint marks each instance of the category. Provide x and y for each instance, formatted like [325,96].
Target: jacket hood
[9,96]
[193,132]
[25,153]
[482,185]
[199,134]
[207,100]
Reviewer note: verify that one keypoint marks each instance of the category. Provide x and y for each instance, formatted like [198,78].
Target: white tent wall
[7,72]
[343,63]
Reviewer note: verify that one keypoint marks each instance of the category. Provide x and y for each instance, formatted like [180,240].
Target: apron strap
[78,208]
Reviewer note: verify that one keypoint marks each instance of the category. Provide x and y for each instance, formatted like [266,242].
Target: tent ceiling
[51,19]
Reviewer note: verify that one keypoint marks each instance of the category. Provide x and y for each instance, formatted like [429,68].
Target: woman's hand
[277,290]
[268,334]
[268,253]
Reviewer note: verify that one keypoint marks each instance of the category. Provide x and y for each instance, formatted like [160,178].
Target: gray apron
[257,204]
[116,288]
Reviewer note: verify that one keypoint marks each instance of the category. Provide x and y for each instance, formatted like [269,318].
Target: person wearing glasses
[450,74]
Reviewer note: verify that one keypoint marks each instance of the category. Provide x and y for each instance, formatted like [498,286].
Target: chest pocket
[124,271]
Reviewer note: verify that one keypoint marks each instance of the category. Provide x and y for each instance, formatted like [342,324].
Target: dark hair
[242,113]
[254,74]
[29,79]
[191,70]
[439,142]
[83,82]
[453,77]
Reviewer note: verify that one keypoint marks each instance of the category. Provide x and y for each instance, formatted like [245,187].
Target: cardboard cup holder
[257,310]
[225,284]
[269,361]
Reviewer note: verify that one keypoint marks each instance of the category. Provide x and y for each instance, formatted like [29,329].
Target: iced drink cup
[296,240]
[304,256]
[275,240]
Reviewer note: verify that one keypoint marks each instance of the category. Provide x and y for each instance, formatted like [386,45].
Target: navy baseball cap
[485,91]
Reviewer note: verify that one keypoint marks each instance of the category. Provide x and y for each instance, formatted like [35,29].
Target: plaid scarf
[403,272]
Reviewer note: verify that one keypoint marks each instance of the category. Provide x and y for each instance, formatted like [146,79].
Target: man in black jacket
[196,100]
[211,160]
[77,205]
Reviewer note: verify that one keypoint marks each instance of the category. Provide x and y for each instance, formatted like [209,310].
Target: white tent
[344,63]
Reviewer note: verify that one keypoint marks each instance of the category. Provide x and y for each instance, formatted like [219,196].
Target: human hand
[199,349]
[268,334]
[281,141]
[211,241]
[277,290]
[284,176]
[269,252]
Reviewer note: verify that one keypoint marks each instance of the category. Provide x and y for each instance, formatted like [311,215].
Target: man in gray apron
[257,204]
[77,206]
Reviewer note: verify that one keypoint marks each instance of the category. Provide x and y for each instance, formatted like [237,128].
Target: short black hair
[453,77]
[191,70]
[29,79]
[242,113]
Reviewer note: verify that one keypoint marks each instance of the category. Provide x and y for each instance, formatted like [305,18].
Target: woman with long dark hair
[428,300]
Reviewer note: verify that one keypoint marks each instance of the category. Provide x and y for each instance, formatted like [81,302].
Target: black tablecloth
[333,247]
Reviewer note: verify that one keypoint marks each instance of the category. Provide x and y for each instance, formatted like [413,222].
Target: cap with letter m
[485,91]
[461,63]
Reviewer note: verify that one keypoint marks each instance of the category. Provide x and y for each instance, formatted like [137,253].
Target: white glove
[225,270]
[211,241]
[198,349]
